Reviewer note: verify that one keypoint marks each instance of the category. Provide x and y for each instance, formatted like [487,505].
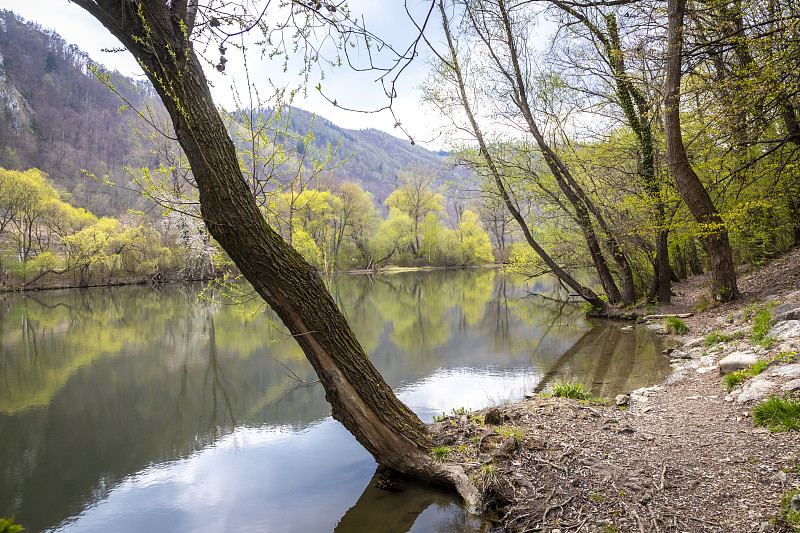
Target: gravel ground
[679,458]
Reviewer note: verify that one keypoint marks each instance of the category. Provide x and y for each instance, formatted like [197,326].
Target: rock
[794,505]
[756,389]
[694,343]
[785,371]
[766,293]
[787,329]
[793,296]
[791,386]
[493,417]
[737,361]
[787,311]
[622,399]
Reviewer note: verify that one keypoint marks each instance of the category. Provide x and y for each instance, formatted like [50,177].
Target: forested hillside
[374,158]
[59,119]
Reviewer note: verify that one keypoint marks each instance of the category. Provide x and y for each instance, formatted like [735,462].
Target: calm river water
[133,409]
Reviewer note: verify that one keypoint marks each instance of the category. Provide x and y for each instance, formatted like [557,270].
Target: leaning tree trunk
[723,273]
[359,397]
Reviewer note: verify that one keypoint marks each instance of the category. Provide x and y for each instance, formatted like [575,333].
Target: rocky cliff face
[16,110]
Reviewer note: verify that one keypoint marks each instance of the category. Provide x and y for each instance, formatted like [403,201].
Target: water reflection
[143,409]
[411,507]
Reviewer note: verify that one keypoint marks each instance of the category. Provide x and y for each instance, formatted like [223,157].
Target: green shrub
[589,309]
[675,326]
[8,526]
[778,414]
[564,389]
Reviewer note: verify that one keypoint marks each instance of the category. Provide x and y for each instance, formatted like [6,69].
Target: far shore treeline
[45,241]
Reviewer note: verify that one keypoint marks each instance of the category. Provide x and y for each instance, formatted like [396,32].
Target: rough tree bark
[723,272]
[158,35]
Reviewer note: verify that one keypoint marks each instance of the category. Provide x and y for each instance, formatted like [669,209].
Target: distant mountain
[374,158]
[56,116]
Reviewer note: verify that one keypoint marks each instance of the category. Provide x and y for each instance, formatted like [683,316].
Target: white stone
[785,371]
[787,329]
[790,386]
[693,343]
[755,389]
[793,296]
[737,361]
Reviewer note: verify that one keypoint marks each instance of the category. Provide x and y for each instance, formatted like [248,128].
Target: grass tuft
[778,414]
[568,389]
[787,516]
[513,431]
[453,412]
[716,337]
[442,453]
[762,314]
[675,326]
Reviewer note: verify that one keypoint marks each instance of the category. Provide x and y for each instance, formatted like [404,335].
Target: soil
[680,459]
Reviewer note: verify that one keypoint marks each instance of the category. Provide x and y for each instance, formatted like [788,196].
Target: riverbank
[683,456]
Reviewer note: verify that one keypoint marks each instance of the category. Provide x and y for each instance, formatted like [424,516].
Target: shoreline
[682,456]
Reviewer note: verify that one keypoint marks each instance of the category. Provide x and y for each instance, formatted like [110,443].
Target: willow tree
[160,35]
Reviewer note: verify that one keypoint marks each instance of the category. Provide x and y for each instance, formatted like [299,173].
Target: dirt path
[680,458]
